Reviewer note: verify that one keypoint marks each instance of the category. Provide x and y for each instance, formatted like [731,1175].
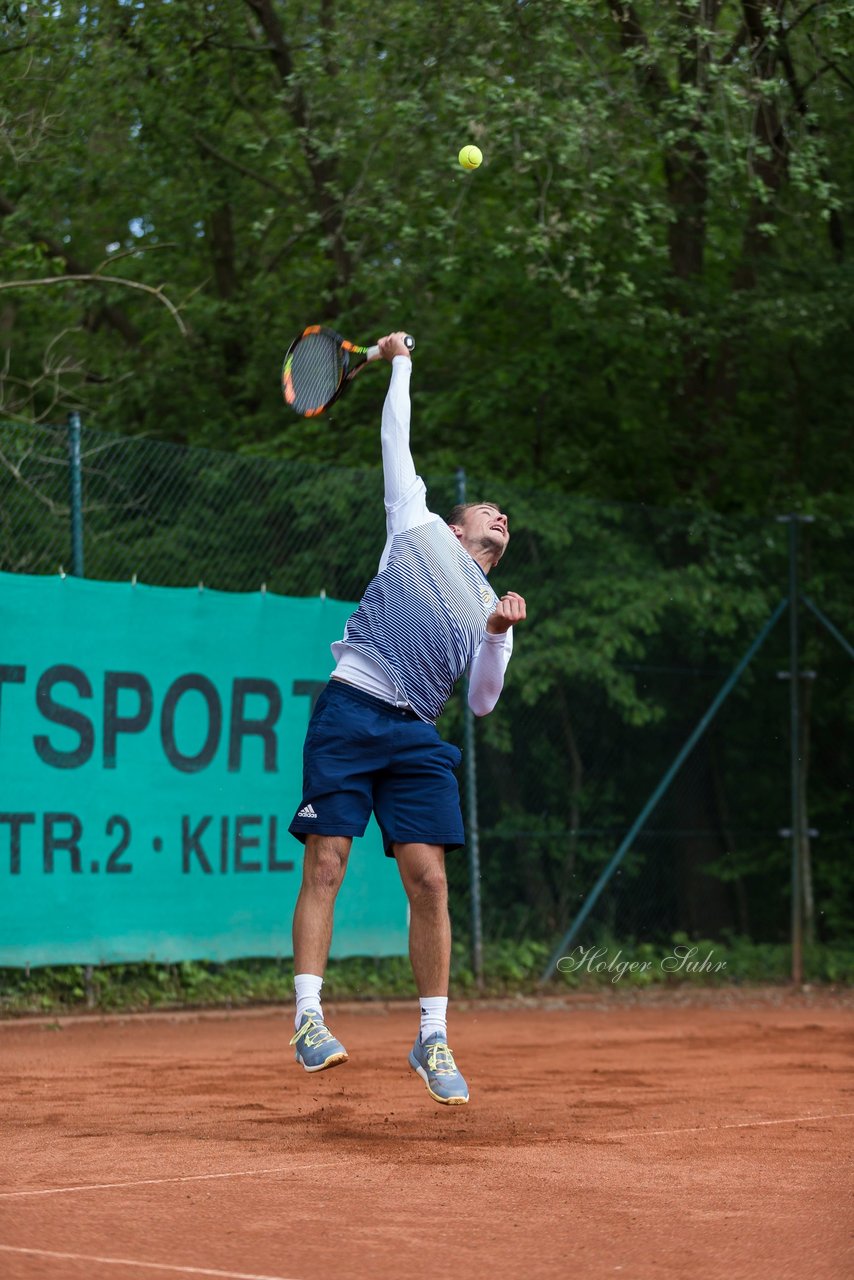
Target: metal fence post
[75,485]
[473,828]
[795,761]
[795,755]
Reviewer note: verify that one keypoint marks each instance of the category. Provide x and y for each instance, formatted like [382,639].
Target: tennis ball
[470,157]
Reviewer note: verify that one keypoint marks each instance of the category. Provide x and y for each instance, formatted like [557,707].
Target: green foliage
[643,294]
[510,968]
[190,984]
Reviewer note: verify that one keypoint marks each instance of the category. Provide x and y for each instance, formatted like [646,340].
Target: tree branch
[837,71]
[113,315]
[92,278]
[260,178]
[798,19]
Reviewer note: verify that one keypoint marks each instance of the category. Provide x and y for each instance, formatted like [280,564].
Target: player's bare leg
[422,870]
[323,868]
[324,864]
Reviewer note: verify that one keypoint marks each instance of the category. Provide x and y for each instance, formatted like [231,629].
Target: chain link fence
[637,617]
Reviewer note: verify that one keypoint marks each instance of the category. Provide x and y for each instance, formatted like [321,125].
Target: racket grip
[372,353]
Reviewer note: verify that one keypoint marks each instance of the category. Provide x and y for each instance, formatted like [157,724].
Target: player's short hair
[457,514]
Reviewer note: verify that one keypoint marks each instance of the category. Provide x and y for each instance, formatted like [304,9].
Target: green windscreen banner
[150,762]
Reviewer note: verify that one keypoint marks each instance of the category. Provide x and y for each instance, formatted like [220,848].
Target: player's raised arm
[398,466]
[405,492]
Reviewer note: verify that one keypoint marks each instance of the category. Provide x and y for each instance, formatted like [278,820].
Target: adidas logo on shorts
[307,812]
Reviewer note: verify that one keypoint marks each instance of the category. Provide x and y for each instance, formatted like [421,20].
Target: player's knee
[428,885]
[325,864]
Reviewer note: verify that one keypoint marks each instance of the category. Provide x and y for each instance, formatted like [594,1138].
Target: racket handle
[372,353]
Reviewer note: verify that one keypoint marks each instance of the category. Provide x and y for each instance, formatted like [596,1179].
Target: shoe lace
[314,1032]
[440,1060]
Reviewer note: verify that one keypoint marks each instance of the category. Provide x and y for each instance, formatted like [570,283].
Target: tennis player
[372,743]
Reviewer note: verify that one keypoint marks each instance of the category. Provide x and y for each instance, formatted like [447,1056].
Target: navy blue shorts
[363,754]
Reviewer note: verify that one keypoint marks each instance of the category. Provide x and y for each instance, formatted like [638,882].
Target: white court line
[151,1182]
[135,1262]
[741,1124]
[260,1173]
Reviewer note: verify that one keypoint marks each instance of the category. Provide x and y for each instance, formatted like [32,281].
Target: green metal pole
[472,824]
[825,621]
[75,485]
[797,928]
[722,694]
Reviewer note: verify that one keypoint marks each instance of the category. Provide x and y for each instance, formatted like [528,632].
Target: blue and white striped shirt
[422,619]
[424,615]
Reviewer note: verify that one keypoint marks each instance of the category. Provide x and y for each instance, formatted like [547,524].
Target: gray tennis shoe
[434,1063]
[316,1046]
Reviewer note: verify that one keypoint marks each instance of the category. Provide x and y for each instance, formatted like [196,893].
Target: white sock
[307,987]
[434,1016]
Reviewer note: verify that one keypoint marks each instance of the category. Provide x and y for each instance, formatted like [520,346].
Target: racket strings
[313,373]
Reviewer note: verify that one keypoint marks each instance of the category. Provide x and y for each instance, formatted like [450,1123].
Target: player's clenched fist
[509,610]
[395,344]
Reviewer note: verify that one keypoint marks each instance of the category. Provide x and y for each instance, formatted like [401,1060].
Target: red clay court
[672,1134]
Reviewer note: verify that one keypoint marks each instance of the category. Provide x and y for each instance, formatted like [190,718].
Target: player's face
[487,526]
[488,520]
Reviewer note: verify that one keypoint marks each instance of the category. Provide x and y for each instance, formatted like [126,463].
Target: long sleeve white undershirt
[406,508]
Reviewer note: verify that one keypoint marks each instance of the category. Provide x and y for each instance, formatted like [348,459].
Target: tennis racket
[318,366]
